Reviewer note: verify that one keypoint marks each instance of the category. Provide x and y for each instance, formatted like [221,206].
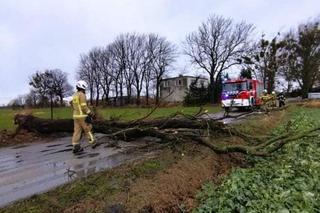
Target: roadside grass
[6,119]
[122,113]
[285,182]
[258,125]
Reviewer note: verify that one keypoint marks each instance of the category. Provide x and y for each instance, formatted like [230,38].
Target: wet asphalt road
[30,169]
[235,116]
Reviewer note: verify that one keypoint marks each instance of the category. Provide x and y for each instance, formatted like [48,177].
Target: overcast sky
[48,34]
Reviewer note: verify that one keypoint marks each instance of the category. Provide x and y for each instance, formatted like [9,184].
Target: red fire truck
[241,93]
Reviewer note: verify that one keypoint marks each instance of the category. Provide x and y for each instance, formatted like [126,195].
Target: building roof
[183,76]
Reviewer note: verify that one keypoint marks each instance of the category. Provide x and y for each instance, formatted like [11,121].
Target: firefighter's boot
[93,144]
[77,149]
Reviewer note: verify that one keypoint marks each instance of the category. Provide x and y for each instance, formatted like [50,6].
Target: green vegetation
[285,182]
[125,113]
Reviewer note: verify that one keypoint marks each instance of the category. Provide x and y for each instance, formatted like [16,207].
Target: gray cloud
[37,34]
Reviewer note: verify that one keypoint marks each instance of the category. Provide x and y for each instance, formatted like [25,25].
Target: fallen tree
[178,127]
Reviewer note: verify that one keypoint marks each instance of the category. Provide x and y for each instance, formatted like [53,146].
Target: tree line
[134,64]
[220,43]
[46,86]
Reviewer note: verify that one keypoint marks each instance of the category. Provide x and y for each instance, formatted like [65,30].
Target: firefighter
[265,92]
[265,97]
[81,114]
[281,99]
[273,99]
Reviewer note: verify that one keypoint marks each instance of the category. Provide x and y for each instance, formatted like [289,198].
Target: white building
[178,87]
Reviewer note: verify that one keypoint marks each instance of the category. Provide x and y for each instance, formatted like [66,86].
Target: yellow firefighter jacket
[79,105]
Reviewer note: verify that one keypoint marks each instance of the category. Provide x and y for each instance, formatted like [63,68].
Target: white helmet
[273,93]
[265,91]
[82,85]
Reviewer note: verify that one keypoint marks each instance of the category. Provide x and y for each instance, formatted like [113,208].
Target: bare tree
[31,98]
[119,54]
[217,45]
[289,61]
[148,62]
[60,84]
[105,62]
[266,60]
[85,73]
[303,48]
[126,66]
[40,82]
[136,59]
[96,69]
[50,83]
[162,54]
[17,102]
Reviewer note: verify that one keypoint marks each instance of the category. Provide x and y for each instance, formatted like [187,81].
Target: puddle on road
[91,155]
[59,151]
[86,155]
[46,150]
[53,145]
[33,169]
[20,146]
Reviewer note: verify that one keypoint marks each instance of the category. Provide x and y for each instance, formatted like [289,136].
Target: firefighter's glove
[89,118]
[92,115]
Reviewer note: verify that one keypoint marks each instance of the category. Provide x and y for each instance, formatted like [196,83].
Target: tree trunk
[91,96]
[128,94]
[116,96]
[306,83]
[211,89]
[138,97]
[147,95]
[289,86]
[107,95]
[158,82]
[121,94]
[61,100]
[176,128]
[97,96]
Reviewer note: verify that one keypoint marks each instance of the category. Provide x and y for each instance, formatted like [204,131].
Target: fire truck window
[240,86]
[250,85]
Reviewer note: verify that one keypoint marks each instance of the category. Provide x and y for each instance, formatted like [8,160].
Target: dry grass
[173,189]
[262,124]
[310,104]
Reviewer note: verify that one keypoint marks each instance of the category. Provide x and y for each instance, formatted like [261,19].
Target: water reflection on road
[30,169]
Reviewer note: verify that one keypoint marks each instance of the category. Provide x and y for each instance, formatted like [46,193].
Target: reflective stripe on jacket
[79,105]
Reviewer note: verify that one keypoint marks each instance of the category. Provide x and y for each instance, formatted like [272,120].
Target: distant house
[178,87]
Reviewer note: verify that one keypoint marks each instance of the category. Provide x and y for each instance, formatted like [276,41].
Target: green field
[123,113]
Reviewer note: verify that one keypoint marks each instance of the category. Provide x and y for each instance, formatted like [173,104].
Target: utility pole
[51,105]
[50,82]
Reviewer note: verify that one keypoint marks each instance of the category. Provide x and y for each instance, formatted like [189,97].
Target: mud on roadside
[9,138]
